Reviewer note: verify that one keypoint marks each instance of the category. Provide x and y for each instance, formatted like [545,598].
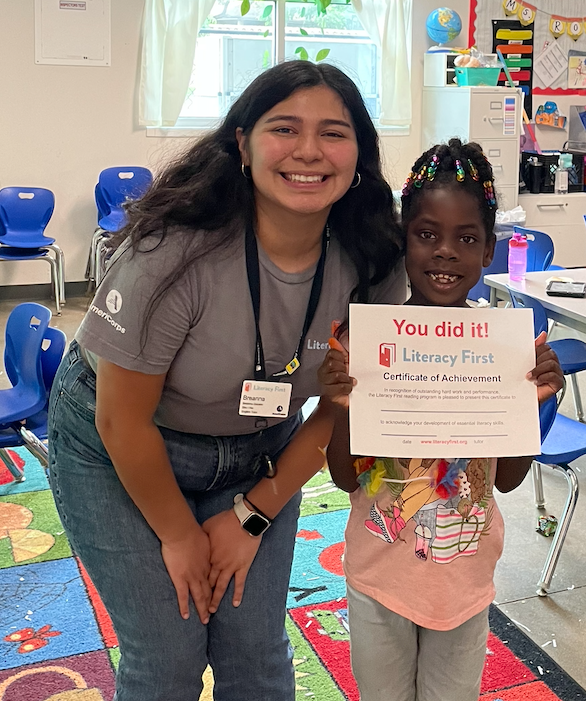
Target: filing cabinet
[488,115]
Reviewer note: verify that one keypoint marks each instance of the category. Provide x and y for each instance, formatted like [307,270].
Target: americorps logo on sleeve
[114,301]
[114,304]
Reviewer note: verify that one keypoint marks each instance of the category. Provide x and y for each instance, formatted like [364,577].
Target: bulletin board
[72,32]
[550,34]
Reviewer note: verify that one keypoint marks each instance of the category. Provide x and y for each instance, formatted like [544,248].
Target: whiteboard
[72,32]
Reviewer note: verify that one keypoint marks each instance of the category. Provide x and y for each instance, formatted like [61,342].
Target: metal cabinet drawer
[554,209]
[487,116]
[504,158]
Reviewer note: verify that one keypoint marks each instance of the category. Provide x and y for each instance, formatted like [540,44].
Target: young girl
[421,548]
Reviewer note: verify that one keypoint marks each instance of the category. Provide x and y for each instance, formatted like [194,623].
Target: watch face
[255,524]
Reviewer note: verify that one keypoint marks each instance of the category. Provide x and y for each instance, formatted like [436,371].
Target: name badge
[261,398]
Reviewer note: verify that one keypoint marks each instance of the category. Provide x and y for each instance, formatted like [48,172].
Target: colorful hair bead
[408,184]
[432,167]
[460,174]
[489,193]
[473,170]
[420,177]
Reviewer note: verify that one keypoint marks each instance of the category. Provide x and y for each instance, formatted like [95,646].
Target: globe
[443,25]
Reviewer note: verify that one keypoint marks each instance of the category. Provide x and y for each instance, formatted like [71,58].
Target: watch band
[254,523]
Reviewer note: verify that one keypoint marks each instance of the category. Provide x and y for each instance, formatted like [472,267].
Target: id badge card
[262,398]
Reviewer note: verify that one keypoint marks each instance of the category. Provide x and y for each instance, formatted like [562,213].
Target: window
[370,40]
[232,49]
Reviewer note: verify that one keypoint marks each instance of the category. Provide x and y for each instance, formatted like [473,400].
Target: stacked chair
[24,215]
[32,354]
[115,187]
[566,439]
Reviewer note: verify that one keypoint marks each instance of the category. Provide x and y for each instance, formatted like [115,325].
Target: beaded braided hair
[447,165]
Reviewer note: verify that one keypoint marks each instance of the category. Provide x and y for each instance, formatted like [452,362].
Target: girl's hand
[188,564]
[336,383]
[547,373]
[232,553]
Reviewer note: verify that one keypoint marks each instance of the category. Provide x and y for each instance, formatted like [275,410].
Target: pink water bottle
[518,257]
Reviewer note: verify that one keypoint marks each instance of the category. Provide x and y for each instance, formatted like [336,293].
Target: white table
[570,311]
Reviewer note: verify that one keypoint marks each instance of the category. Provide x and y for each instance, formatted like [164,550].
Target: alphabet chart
[438,382]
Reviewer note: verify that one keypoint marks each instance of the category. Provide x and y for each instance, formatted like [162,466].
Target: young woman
[231,271]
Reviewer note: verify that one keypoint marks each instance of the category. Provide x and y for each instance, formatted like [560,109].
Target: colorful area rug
[57,643]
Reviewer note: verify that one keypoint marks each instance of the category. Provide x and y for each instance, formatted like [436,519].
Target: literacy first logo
[387,354]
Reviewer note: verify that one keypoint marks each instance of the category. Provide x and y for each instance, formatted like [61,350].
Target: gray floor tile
[560,617]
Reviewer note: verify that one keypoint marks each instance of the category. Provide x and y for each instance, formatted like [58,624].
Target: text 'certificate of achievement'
[439,382]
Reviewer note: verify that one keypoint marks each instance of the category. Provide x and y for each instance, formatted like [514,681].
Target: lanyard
[253,272]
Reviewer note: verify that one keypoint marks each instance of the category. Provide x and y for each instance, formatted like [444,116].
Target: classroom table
[570,311]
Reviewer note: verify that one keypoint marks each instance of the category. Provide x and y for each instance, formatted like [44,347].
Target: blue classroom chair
[32,432]
[116,186]
[25,332]
[564,442]
[24,215]
[571,352]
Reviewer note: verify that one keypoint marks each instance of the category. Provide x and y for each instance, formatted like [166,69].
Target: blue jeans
[162,655]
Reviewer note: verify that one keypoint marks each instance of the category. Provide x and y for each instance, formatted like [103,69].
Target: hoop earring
[243,169]
[353,187]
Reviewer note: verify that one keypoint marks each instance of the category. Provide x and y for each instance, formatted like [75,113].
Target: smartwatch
[254,524]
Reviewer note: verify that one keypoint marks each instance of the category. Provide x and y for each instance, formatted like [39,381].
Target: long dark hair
[476,172]
[204,190]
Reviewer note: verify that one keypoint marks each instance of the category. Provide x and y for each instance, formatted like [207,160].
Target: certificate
[439,382]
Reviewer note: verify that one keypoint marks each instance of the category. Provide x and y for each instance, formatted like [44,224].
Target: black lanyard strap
[253,272]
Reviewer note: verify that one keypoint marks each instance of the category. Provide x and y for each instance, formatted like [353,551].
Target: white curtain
[170,29]
[388,23]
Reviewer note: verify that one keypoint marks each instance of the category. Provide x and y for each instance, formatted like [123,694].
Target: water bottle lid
[565,160]
[518,240]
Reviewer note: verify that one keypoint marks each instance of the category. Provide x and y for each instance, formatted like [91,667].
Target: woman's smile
[302,153]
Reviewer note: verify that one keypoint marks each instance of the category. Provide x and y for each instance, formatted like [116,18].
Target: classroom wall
[61,125]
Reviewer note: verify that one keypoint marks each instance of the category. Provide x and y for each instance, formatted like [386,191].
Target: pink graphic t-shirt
[424,536]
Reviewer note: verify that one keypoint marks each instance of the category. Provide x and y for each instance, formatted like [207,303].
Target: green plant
[321,7]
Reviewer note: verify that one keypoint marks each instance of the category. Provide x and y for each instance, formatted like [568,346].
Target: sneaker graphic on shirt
[384,527]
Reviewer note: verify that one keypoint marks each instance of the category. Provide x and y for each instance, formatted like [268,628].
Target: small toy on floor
[547,525]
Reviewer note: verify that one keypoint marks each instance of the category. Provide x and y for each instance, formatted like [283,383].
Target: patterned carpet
[57,643]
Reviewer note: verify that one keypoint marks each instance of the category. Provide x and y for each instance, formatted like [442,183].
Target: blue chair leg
[537,484]
[577,398]
[35,446]
[55,281]
[60,259]
[561,531]
[13,468]
[91,264]
[99,261]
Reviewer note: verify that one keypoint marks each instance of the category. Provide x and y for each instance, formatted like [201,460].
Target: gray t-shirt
[202,334]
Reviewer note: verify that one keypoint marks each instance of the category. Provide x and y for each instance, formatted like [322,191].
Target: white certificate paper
[439,382]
